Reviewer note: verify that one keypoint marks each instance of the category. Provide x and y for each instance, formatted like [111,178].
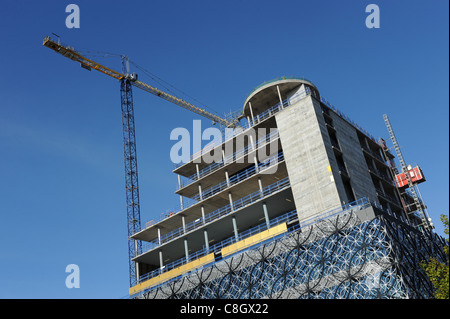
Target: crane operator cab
[132,77]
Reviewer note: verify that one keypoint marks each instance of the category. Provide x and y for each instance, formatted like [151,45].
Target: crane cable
[166,85]
[169,87]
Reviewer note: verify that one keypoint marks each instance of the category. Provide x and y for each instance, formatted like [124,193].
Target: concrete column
[200,191]
[256,163]
[186,249]
[231,200]
[203,214]
[252,142]
[251,111]
[159,236]
[183,221]
[266,215]
[279,96]
[137,252]
[260,185]
[136,268]
[248,120]
[236,235]
[223,157]
[198,171]
[179,181]
[227,177]
[181,202]
[160,260]
[205,233]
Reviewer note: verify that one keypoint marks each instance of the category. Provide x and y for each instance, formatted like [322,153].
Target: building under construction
[321,217]
[301,203]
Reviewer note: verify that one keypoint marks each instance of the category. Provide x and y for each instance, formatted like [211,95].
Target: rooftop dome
[266,94]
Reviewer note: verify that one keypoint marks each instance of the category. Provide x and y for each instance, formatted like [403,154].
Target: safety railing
[285,218]
[359,204]
[224,210]
[235,179]
[355,206]
[272,111]
[264,141]
[231,133]
[348,119]
[279,106]
[279,79]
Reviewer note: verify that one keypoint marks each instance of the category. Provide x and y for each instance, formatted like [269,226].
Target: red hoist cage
[415,174]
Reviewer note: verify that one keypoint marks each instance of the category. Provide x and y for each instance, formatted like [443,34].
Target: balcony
[209,218]
[286,218]
[236,156]
[252,123]
[216,195]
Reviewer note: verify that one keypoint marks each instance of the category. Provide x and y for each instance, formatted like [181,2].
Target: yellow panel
[225,250]
[271,232]
[172,273]
[278,229]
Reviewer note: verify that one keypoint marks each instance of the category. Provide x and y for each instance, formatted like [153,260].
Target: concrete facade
[353,157]
[312,181]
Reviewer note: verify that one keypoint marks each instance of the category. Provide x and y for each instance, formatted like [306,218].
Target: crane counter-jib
[70,53]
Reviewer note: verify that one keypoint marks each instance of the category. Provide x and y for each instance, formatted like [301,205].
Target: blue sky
[61,164]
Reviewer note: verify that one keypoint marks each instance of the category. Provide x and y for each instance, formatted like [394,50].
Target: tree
[438,271]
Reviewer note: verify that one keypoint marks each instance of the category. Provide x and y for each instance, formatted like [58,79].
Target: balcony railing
[285,218]
[345,117]
[235,179]
[222,211]
[355,206]
[264,141]
[254,121]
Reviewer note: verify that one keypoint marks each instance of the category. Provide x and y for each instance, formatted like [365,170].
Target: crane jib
[88,64]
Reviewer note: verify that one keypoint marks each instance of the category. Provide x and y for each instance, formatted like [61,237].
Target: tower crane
[127,80]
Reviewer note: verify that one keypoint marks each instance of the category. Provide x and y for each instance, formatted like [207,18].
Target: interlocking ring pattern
[338,258]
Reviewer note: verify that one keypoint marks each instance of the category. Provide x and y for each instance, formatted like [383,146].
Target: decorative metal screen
[340,257]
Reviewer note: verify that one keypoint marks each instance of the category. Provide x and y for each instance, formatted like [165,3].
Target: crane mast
[128,80]
[131,172]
